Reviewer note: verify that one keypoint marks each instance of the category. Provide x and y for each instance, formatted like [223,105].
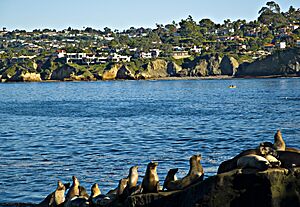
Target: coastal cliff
[280,63]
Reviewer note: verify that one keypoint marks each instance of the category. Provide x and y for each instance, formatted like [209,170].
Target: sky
[122,14]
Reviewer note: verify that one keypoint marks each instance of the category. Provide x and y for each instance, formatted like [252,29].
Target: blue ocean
[98,130]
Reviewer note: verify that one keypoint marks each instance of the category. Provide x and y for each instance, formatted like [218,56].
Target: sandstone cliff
[117,71]
[155,69]
[281,63]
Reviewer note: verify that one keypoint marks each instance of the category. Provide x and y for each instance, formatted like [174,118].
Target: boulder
[173,69]
[155,69]
[276,187]
[228,65]
[280,63]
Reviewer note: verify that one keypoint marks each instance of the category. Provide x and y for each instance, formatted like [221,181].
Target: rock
[228,65]
[173,69]
[214,65]
[200,68]
[31,77]
[275,187]
[117,71]
[155,69]
[281,63]
[63,73]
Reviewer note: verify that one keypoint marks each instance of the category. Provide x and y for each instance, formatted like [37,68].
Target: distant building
[298,43]
[180,54]
[281,45]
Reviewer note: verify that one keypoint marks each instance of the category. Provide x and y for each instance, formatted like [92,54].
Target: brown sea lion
[133,177]
[95,191]
[171,176]
[57,198]
[131,186]
[273,161]
[150,183]
[194,175]
[74,189]
[253,161]
[264,148]
[289,159]
[279,144]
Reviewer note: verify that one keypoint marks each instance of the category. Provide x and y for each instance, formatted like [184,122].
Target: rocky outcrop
[155,69]
[276,187]
[173,69]
[200,68]
[214,65]
[281,63]
[117,71]
[70,73]
[228,65]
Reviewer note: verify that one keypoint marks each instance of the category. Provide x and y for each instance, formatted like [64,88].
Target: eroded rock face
[118,71]
[276,187]
[173,69]
[63,73]
[280,63]
[155,69]
[229,65]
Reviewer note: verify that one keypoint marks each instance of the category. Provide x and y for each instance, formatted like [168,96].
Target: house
[196,49]
[180,54]
[281,45]
[298,43]
[120,58]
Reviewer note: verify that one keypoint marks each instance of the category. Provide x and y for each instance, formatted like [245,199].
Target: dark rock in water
[272,188]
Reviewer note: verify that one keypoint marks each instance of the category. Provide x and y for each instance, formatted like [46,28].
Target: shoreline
[220,77]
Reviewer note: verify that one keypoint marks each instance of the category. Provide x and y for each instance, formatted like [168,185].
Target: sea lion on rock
[122,185]
[77,202]
[289,159]
[150,183]
[95,191]
[194,175]
[253,161]
[273,161]
[131,186]
[57,198]
[171,176]
[76,190]
[279,144]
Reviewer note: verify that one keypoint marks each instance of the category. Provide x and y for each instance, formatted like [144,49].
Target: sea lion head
[152,166]
[60,186]
[195,159]
[267,148]
[279,143]
[133,169]
[75,181]
[95,191]
[172,172]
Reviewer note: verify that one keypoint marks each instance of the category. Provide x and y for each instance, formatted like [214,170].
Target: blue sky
[122,14]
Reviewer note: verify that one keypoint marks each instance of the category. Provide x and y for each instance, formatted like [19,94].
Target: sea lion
[56,198]
[133,177]
[150,183]
[171,176]
[194,175]
[131,186]
[122,185]
[77,202]
[289,159]
[253,161]
[273,161]
[264,149]
[74,189]
[95,191]
[279,143]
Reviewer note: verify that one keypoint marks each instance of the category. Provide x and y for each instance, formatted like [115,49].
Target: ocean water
[98,130]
